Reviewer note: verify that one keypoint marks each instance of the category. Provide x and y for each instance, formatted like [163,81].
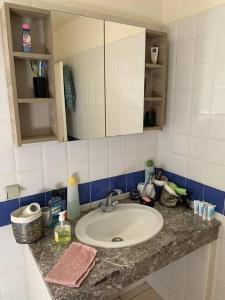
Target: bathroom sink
[126,225]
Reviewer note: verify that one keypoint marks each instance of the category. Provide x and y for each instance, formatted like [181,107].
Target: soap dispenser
[62,229]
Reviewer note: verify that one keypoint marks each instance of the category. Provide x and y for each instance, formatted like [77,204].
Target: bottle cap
[72,181]
[62,216]
[25,26]
[149,163]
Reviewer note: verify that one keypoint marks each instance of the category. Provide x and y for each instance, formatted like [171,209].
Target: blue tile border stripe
[96,190]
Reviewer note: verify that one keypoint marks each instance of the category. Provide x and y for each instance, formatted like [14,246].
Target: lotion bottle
[62,230]
[73,203]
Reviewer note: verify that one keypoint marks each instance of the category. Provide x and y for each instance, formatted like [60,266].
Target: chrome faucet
[110,204]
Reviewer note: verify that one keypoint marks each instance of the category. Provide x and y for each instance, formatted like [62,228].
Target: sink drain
[117,239]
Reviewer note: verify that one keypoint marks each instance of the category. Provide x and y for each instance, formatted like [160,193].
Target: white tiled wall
[193,141]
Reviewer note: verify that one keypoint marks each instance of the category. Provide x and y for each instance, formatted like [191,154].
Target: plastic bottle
[26,37]
[55,204]
[149,169]
[73,203]
[62,231]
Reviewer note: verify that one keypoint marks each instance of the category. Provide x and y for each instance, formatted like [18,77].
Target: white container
[154,54]
[73,203]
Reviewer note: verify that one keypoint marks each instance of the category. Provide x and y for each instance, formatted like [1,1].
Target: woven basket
[168,200]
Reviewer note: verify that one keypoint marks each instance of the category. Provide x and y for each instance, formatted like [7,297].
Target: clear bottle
[26,37]
[62,231]
[55,204]
[73,203]
[149,170]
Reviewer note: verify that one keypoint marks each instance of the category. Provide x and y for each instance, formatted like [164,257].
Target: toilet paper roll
[31,209]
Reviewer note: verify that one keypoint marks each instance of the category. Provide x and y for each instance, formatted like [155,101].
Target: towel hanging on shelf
[69,90]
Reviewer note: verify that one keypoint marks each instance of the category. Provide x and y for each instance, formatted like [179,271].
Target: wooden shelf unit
[33,119]
[156,77]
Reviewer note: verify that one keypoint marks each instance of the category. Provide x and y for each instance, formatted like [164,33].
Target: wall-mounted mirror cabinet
[99,86]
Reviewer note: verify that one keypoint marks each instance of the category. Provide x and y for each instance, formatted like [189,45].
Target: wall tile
[203,76]
[98,148]
[216,152]
[133,143]
[201,101]
[184,76]
[198,147]
[117,145]
[133,179]
[182,101]
[55,177]
[81,170]
[215,176]
[5,180]
[195,189]
[133,163]
[78,151]
[180,144]
[149,141]
[117,165]
[218,103]
[54,154]
[196,170]
[216,197]
[199,125]
[178,180]
[181,122]
[187,28]
[31,182]
[219,76]
[118,182]
[216,125]
[99,169]
[207,23]
[28,157]
[99,189]
[39,198]
[7,161]
[5,133]
[179,164]
[163,159]
[205,50]
[186,52]
[6,208]
[84,193]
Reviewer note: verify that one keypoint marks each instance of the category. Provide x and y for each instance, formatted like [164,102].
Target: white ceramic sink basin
[133,223]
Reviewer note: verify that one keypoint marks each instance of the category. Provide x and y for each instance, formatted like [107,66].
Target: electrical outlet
[13,191]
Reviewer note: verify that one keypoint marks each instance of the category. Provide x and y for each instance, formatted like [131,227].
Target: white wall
[173,10]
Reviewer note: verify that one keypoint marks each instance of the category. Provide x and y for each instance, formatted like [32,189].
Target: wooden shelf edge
[154,66]
[38,139]
[153,128]
[31,56]
[34,100]
[154,99]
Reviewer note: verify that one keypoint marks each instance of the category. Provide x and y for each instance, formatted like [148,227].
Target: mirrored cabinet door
[78,44]
[124,78]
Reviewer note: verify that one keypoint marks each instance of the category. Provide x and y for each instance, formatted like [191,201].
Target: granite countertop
[115,269]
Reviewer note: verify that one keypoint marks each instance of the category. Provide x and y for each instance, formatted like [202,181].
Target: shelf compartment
[38,139]
[31,56]
[37,121]
[39,22]
[34,100]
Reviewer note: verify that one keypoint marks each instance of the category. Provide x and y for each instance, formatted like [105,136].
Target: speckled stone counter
[115,269]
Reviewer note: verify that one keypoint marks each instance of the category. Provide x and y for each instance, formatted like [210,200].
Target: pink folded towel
[73,266]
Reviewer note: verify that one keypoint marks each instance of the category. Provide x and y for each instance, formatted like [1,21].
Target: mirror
[78,44]
[124,78]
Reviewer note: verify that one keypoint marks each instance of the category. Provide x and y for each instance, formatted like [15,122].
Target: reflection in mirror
[78,44]
[124,75]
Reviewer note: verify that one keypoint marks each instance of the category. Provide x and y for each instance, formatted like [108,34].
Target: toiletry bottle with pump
[73,203]
[149,170]
[62,230]
[55,205]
